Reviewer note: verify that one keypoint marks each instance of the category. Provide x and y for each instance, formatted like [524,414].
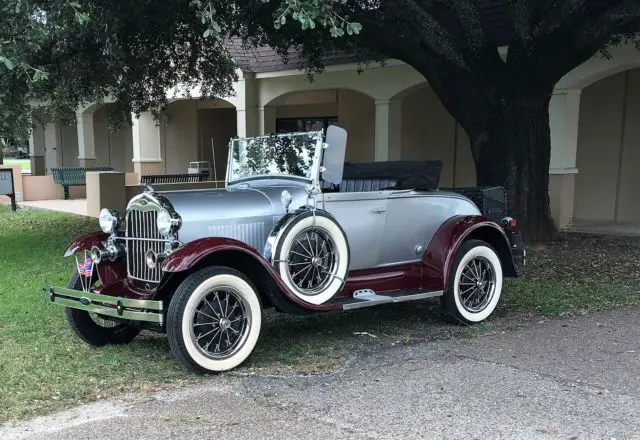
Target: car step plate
[368,298]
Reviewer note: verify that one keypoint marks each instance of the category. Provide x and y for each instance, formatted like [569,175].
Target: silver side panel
[412,220]
[244,212]
[392,227]
[253,234]
[362,217]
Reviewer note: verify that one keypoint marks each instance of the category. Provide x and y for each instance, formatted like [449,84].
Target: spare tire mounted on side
[311,254]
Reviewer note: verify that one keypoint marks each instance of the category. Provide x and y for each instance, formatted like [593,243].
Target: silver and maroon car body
[402,242]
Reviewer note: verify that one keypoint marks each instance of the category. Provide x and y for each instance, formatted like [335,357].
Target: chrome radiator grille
[142,235]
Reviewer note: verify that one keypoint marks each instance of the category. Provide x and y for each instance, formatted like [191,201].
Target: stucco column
[564,118]
[247,122]
[148,144]
[86,138]
[52,146]
[247,114]
[388,130]
[36,150]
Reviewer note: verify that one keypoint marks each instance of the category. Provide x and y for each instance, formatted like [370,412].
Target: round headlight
[164,222]
[108,220]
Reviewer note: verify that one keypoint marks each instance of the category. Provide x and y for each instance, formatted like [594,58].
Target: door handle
[378,210]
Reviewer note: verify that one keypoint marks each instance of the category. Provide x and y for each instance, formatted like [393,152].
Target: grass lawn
[44,367]
[24,163]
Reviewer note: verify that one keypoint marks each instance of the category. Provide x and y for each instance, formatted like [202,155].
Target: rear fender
[202,252]
[441,252]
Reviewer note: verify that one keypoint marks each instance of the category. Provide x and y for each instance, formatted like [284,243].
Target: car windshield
[290,154]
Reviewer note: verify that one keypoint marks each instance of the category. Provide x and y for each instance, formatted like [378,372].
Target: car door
[362,217]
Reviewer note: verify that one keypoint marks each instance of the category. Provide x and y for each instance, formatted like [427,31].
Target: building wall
[69,139]
[355,112]
[219,126]
[181,136]
[429,132]
[608,155]
[113,149]
[357,115]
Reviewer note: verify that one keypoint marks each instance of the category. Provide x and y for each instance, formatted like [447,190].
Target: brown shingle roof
[266,59]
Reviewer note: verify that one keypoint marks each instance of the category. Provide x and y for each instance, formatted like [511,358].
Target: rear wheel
[214,320]
[94,329]
[475,283]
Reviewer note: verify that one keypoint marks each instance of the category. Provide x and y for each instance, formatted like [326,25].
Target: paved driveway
[572,379]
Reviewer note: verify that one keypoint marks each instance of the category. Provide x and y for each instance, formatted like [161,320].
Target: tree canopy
[63,53]
[66,52]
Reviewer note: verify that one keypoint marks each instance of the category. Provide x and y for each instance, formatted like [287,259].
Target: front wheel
[475,283]
[94,329]
[214,320]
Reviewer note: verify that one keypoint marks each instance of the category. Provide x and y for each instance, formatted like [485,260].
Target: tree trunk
[514,152]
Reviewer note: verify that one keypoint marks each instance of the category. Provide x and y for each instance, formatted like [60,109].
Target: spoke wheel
[474,284]
[214,320]
[96,329]
[311,254]
[477,284]
[312,260]
[220,323]
[104,321]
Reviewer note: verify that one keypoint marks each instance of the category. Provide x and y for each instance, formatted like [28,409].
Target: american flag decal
[85,268]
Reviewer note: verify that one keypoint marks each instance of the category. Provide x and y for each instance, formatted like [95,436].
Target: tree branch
[574,43]
[431,31]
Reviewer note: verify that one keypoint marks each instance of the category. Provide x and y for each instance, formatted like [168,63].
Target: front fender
[441,252]
[188,257]
[86,242]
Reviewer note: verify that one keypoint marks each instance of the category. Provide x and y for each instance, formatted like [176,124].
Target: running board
[368,298]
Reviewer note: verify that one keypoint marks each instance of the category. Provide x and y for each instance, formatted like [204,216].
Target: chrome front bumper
[125,308]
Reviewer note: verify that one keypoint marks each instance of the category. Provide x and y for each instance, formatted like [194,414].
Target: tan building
[390,113]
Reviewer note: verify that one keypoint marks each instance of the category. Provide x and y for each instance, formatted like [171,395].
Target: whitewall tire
[214,320]
[312,256]
[475,283]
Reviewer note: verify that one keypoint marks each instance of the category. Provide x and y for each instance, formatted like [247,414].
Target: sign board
[7,187]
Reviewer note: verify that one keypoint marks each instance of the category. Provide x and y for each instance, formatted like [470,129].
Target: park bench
[73,176]
[151,179]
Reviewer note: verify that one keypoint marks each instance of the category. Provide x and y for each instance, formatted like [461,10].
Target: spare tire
[312,256]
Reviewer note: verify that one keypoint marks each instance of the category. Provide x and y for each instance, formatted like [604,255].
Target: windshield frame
[315,167]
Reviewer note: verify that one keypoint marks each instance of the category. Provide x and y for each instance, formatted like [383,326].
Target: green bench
[73,176]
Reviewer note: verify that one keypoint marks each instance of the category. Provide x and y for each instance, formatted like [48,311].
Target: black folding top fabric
[420,175]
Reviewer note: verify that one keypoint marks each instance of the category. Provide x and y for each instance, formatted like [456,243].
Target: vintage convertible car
[295,229]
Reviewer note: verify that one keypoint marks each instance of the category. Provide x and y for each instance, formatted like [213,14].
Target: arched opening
[608,152]
[313,110]
[430,132]
[198,130]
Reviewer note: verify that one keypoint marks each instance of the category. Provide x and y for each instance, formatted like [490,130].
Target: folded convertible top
[420,175]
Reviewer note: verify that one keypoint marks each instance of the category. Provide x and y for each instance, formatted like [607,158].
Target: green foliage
[63,53]
[309,13]
[66,53]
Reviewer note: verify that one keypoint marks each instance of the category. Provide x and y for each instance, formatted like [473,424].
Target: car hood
[246,214]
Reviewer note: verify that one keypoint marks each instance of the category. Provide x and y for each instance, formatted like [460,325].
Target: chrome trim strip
[125,308]
[381,299]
